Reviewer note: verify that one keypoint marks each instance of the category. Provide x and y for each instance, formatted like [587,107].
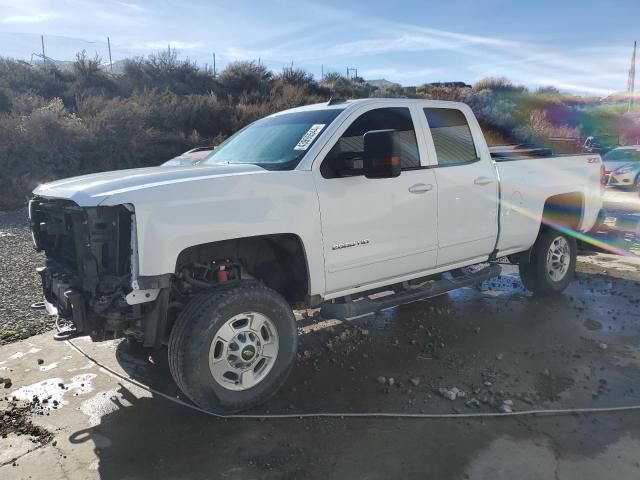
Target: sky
[582,47]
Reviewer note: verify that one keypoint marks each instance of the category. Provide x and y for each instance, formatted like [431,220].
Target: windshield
[622,155]
[180,161]
[276,143]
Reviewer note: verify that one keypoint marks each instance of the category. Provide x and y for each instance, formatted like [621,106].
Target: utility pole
[322,72]
[110,61]
[214,65]
[631,83]
[44,58]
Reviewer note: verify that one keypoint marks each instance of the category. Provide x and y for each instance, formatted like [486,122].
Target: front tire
[232,348]
[551,264]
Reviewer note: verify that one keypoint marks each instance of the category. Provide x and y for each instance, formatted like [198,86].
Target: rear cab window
[451,136]
[351,144]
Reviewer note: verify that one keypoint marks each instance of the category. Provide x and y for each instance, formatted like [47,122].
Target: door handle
[420,188]
[483,181]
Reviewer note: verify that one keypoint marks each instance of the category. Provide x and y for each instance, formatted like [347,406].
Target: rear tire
[232,348]
[551,264]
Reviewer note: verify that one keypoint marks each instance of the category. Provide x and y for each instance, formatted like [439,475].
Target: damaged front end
[90,276]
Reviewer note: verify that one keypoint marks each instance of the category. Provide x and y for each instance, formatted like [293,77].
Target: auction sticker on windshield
[309,137]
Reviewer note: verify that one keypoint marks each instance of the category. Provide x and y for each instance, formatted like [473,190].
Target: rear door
[467,186]
[376,229]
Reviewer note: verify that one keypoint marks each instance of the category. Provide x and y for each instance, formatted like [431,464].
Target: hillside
[58,123]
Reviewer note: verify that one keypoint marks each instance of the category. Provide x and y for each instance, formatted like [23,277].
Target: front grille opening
[80,237]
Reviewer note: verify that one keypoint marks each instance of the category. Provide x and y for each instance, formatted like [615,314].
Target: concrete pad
[77,393]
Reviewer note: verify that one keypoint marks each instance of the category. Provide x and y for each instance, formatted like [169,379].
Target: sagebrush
[59,123]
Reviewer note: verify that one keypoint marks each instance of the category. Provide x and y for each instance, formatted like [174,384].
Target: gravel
[16,419]
[451,393]
[19,283]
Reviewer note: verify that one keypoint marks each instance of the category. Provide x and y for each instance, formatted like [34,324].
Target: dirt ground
[497,343]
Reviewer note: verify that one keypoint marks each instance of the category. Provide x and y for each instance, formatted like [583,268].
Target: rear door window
[451,136]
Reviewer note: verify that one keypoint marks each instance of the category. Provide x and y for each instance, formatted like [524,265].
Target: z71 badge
[340,246]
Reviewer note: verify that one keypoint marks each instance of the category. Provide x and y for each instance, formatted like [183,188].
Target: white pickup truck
[324,206]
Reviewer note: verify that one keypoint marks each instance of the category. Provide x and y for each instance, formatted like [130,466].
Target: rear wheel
[551,263]
[231,349]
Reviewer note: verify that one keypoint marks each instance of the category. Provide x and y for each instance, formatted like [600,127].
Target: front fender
[171,218]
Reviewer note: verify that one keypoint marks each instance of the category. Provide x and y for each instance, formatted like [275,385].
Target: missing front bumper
[63,300]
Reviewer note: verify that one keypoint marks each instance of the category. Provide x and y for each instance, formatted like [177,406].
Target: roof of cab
[342,105]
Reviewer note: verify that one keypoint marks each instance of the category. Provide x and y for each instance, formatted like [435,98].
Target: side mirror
[381,158]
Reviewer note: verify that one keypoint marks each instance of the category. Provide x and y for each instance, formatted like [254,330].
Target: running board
[358,307]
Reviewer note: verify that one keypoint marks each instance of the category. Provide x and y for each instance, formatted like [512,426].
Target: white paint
[82,384]
[18,355]
[46,368]
[50,389]
[101,404]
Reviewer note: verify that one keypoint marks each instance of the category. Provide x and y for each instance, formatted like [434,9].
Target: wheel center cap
[248,352]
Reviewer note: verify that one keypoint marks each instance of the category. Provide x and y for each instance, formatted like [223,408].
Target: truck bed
[526,185]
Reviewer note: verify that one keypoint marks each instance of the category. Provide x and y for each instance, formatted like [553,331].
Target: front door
[375,230]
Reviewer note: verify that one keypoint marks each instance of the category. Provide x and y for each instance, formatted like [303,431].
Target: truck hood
[91,190]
